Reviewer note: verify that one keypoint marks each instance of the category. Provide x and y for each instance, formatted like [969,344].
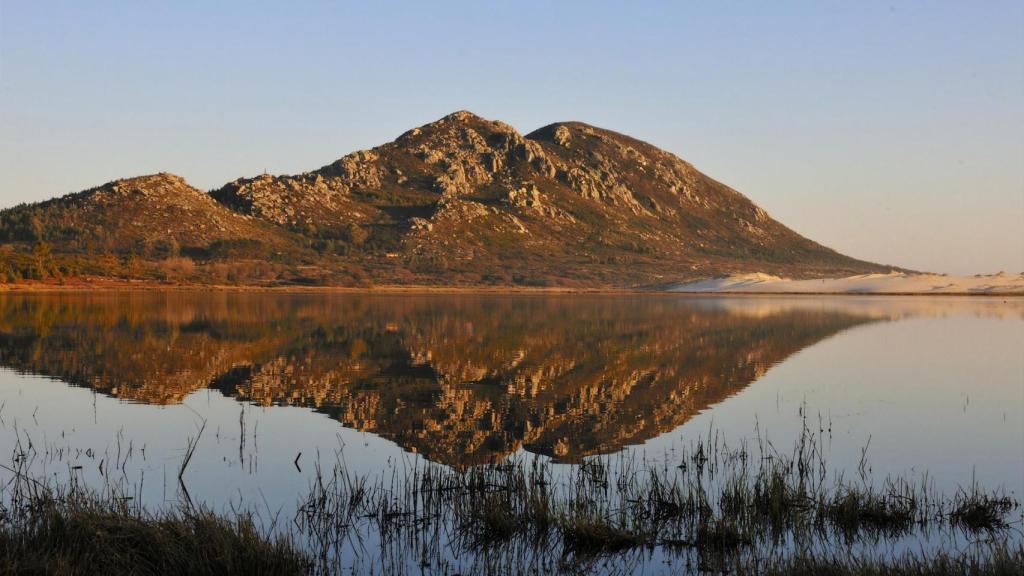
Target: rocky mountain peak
[462,125]
[147,190]
[462,116]
[159,183]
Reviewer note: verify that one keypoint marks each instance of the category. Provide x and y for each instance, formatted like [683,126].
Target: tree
[42,260]
[162,249]
[355,234]
[36,227]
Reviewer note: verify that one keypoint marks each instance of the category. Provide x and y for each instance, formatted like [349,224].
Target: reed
[78,532]
[709,507]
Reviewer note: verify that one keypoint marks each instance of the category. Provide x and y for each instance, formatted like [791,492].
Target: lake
[262,395]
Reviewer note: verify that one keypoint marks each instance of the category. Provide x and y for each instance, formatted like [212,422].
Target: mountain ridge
[459,201]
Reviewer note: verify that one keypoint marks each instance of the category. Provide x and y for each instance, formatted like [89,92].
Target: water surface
[111,387]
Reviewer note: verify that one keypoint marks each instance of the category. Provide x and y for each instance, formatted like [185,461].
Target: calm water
[111,387]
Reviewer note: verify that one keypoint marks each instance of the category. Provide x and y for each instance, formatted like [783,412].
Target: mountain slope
[132,211]
[464,200]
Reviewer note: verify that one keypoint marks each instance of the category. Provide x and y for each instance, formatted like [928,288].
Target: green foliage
[37,264]
[237,248]
[161,249]
[21,224]
[40,222]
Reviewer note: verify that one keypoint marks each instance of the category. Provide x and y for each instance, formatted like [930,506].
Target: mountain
[462,200]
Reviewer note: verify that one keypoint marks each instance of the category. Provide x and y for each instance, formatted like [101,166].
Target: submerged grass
[996,561]
[977,511]
[716,504]
[711,508]
[583,534]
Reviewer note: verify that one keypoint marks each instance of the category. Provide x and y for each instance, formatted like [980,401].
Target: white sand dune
[892,283]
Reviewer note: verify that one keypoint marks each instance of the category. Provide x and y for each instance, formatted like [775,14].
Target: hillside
[462,201]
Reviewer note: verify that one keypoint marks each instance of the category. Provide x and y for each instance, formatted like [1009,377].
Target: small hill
[146,227]
[142,212]
[462,200]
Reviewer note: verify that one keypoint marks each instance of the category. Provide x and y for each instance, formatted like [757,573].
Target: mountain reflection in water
[460,379]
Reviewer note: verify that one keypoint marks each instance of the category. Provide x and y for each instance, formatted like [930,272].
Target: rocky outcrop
[464,199]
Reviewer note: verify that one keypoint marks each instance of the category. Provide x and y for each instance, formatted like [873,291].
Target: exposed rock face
[289,201]
[468,200]
[562,136]
[572,199]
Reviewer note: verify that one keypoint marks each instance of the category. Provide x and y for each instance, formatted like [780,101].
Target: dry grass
[714,507]
[89,534]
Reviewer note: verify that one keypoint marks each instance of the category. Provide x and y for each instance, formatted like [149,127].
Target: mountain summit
[462,201]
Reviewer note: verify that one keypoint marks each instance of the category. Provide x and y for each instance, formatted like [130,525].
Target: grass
[589,535]
[710,507]
[998,561]
[68,529]
[89,534]
[852,509]
[977,511]
[717,503]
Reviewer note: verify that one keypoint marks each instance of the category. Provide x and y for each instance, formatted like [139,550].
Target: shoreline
[130,285]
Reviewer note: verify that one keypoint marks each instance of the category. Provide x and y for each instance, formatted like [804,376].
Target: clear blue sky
[891,131]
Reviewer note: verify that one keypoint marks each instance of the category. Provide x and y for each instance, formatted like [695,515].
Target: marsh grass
[977,511]
[83,533]
[998,560]
[713,502]
[711,507]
